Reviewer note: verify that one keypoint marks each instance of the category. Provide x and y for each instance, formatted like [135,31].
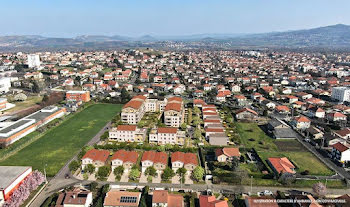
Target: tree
[287,178]
[125,96]
[181,171]
[134,173]
[74,165]
[198,173]
[197,133]
[196,110]
[151,171]
[20,97]
[167,174]
[183,126]
[103,172]
[93,186]
[35,87]
[118,170]
[89,168]
[319,189]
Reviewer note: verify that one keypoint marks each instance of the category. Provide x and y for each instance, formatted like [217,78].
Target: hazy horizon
[167,18]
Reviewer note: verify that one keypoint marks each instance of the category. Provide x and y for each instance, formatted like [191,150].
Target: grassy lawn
[253,137]
[31,101]
[61,143]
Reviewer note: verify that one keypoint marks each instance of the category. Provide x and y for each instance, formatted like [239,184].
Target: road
[58,182]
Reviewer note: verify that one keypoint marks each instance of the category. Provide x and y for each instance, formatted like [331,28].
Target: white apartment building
[5,85]
[134,110]
[167,135]
[127,133]
[174,112]
[33,60]
[341,94]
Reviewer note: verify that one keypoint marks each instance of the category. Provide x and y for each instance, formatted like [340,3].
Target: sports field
[59,144]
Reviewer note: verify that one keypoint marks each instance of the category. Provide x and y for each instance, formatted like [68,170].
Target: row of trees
[23,191]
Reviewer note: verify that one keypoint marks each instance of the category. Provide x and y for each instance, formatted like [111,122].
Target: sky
[70,18]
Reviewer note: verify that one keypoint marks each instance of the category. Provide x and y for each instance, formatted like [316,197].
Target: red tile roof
[133,104]
[247,109]
[302,119]
[210,201]
[173,106]
[167,130]
[94,154]
[126,156]
[126,127]
[155,157]
[282,164]
[228,151]
[186,158]
[340,147]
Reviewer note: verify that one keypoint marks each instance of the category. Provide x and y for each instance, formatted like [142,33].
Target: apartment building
[127,133]
[167,135]
[134,110]
[174,112]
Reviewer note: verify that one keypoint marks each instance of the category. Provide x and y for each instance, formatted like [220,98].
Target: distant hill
[329,37]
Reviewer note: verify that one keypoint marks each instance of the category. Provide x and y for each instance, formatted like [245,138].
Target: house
[97,158]
[162,198]
[167,135]
[218,139]
[336,116]
[247,114]
[116,198]
[226,154]
[282,109]
[240,99]
[127,133]
[210,201]
[280,130]
[159,160]
[184,160]
[210,131]
[124,158]
[314,133]
[77,96]
[281,165]
[316,112]
[301,122]
[77,198]
[343,133]
[341,152]
[235,88]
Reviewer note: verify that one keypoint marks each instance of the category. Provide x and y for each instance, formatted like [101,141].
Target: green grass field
[253,137]
[57,146]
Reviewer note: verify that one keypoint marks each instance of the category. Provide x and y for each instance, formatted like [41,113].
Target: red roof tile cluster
[340,147]
[162,196]
[175,99]
[125,156]
[186,158]
[94,154]
[228,151]
[247,109]
[133,104]
[302,119]
[155,157]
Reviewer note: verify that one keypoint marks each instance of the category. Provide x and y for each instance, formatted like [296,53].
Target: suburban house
[116,198]
[316,112]
[174,112]
[341,152]
[77,198]
[158,160]
[134,110]
[226,154]
[186,160]
[124,158]
[246,114]
[167,135]
[78,96]
[127,133]
[343,133]
[210,201]
[162,198]
[281,165]
[301,122]
[97,158]
[336,116]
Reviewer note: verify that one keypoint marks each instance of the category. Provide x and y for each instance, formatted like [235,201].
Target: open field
[253,137]
[31,101]
[62,142]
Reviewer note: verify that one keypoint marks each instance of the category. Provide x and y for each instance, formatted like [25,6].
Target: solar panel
[128,199]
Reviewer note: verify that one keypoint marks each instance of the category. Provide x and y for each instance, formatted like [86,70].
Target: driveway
[157,178]
[175,179]
[111,177]
[143,178]
[125,177]
[188,179]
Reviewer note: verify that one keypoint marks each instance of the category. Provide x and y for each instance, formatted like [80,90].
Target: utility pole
[251,184]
